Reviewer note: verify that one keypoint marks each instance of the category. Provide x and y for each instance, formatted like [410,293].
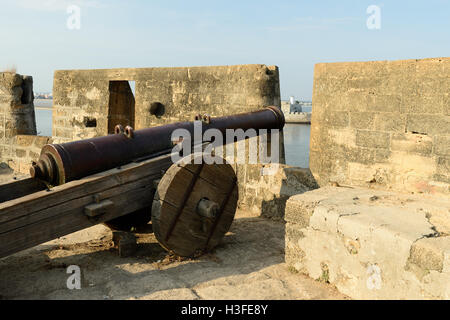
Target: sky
[294,35]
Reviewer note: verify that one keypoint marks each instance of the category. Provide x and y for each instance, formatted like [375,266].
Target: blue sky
[294,35]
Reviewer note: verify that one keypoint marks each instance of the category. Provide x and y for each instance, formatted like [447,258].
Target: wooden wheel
[194,206]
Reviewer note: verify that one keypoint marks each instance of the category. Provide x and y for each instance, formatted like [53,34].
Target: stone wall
[267,188]
[16,106]
[17,117]
[83,99]
[24,150]
[383,124]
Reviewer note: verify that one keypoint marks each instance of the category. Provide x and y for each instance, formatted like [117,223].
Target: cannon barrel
[61,163]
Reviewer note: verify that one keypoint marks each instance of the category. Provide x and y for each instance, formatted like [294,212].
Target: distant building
[292,100]
[295,106]
[43,95]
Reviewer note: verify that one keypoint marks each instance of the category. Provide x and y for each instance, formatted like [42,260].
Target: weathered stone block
[25,140]
[24,166]
[428,124]
[21,153]
[293,233]
[274,208]
[64,133]
[443,169]
[384,103]
[10,134]
[358,154]
[442,145]
[362,120]
[430,253]
[446,103]
[431,102]
[299,208]
[382,155]
[366,174]
[41,141]
[294,257]
[59,122]
[433,67]
[415,143]
[13,164]
[34,155]
[336,119]
[349,239]
[9,80]
[372,139]
[364,83]
[297,179]
[388,121]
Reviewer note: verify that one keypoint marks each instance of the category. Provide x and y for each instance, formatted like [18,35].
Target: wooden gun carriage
[125,180]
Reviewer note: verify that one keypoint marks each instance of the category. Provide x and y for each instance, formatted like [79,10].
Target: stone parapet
[382,124]
[371,244]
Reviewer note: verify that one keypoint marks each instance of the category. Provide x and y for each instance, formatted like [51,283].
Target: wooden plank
[46,215]
[71,220]
[90,185]
[20,188]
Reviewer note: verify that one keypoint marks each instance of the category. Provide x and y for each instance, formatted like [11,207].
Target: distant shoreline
[43,104]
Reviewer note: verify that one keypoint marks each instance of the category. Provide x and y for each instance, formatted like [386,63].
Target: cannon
[61,163]
[124,180]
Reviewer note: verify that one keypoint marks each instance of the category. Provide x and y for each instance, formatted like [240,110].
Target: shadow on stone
[289,181]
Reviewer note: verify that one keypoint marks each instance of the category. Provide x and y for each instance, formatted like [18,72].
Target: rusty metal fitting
[207,208]
[44,169]
[119,129]
[206,118]
[129,132]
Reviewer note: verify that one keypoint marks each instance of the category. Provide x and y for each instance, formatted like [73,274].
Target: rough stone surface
[431,253]
[267,188]
[249,264]
[371,244]
[24,150]
[383,124]
[184,93]
[17,117]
